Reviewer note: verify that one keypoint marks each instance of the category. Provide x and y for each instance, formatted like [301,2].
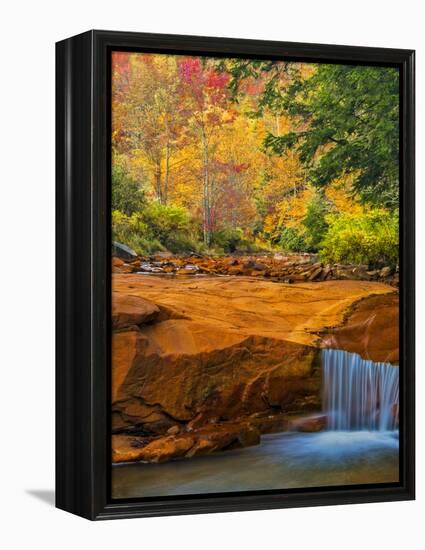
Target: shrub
[180,243]
[292,241]
[127,195]
[315,222]
[370,238]
[228,239]
[156,227]
[133,232]
[165,222]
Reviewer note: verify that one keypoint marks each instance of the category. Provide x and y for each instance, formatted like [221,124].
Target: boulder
[310,424]
[129,448]
[166,448]
[315,273]
[385,272]
[128,310]
[123,251]
[119,266]
[158,450]
[269,421]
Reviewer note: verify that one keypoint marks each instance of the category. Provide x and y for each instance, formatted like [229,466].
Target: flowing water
[359,394]
[360,445]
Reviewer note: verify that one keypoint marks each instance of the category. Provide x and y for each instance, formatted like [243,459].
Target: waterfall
[359,394]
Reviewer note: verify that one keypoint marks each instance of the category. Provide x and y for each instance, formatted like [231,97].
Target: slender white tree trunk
[206,191]
[167,173]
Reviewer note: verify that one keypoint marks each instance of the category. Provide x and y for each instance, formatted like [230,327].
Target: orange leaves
[177,132]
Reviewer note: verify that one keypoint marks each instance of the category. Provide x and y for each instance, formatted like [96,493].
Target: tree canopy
[345,121]
[243,155]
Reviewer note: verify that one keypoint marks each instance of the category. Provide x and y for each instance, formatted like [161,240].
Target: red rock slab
[371,329]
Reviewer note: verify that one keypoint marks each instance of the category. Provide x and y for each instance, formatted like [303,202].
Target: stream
[359,446]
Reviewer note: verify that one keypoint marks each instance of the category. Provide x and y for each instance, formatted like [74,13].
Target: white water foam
[359,394]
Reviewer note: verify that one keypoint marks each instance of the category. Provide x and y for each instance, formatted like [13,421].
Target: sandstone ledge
[208,364]
[370,328]
[244,306]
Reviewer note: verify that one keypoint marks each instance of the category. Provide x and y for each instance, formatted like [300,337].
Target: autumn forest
[244,156]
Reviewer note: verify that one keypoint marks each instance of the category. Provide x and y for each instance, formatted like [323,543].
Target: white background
[28,33]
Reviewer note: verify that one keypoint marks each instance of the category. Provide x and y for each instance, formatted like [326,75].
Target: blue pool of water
[281,461]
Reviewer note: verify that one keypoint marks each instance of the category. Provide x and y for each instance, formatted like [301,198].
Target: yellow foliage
[342,197]
[188,147]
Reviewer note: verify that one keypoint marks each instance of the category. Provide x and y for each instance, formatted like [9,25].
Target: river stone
[123,251]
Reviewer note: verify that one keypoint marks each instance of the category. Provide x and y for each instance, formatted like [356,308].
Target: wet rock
[385,272]
[167,448]
[235,270]
[395,279]
[149,268]
[128,448]
[119,266]
[173,430]
[311,424]
[158,450]
[184,271]
[315,273]
[326,273]
[249,436]
[202,447]
[373,273]
[270,423]
[258,273]
[201,419]
[259,267]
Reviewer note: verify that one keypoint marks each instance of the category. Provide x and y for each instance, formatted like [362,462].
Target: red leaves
[203,83]
[229,167]
[217,80]
[190,69]
[120,62]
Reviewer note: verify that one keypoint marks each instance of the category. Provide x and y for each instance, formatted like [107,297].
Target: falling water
[359,394]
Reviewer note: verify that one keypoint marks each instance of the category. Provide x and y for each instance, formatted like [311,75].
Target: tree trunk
[158,181]
[167,172]
[206,197]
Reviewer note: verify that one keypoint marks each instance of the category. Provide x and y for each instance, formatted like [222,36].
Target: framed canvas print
[235,274]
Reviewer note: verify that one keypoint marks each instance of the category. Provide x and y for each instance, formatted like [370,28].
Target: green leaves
[315,222]
[127,194]
[370,238]
[280,144]
[345,121]
[351,114]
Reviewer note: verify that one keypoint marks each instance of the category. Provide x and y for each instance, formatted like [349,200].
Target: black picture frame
[83,275]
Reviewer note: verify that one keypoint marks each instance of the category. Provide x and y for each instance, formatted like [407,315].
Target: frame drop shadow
[45,495]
